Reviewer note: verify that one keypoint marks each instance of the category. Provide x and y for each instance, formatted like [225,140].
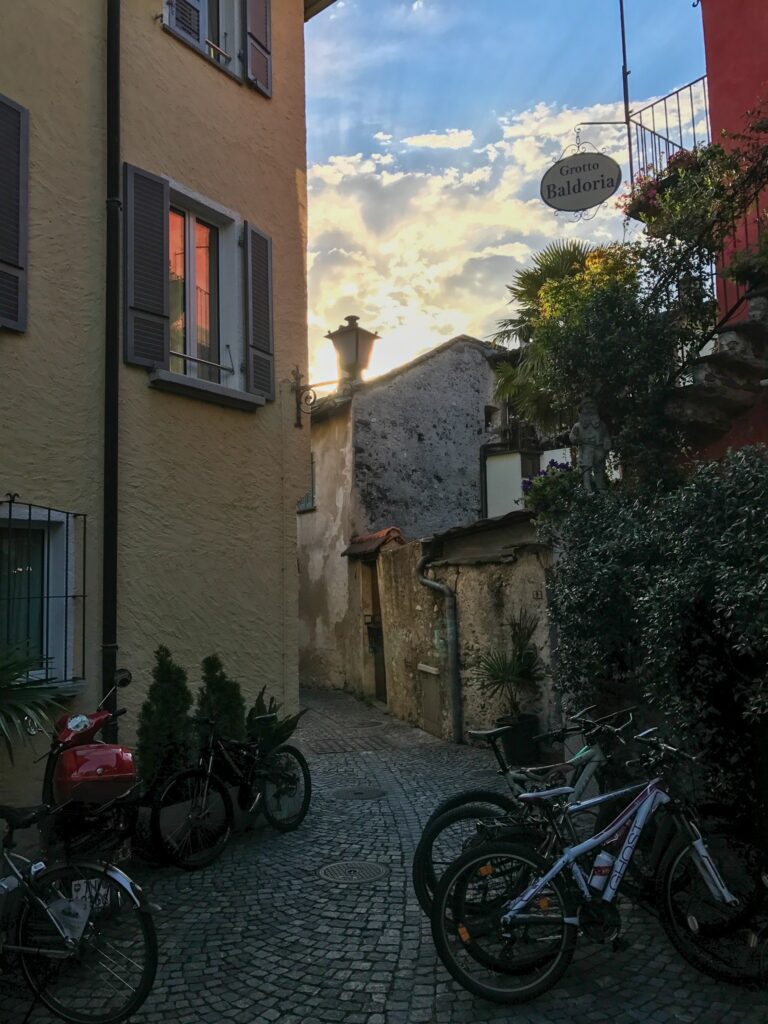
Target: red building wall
[736,45]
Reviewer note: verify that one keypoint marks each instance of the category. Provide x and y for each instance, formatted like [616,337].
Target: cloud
[453,138]
[383,137]
[423,251]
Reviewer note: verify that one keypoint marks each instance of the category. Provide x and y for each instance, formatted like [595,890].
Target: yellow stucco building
[152,306]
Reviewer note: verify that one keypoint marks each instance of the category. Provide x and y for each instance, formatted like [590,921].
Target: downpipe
[452,637]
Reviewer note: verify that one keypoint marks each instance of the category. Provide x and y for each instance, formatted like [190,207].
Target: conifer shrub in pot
[165,727]
[220,700]
[513,676]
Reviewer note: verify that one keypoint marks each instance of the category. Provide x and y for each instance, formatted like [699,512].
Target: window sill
[204,391]
[304,511]
[204,54]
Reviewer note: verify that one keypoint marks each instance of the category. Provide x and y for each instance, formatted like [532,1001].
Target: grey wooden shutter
[258,45]
[14,191]
[188,18]
[259,345]
[147,331]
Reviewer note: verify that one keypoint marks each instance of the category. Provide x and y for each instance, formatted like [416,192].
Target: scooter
[91,784]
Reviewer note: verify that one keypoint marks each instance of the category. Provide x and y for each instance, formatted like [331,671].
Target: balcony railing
[664,127]
[680,121]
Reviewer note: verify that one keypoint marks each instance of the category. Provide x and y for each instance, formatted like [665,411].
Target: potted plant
[24,702]
[514,676]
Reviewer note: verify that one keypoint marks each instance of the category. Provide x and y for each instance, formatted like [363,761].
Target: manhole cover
[358,793]
[352,872]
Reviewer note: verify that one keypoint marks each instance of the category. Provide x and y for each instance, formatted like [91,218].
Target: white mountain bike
[505,920]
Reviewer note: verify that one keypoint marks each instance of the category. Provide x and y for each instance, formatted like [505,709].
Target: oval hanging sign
[580,181]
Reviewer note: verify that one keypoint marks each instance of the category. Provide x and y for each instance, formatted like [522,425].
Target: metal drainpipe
[452,631]
[111,363]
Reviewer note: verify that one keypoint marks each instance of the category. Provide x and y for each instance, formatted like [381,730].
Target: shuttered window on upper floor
[14,191]
[236,36]
[181,313]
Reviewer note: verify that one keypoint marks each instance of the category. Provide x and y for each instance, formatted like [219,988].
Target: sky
[430,125]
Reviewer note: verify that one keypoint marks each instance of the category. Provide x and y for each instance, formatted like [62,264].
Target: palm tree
[555,262]
[21,698]
[518,381]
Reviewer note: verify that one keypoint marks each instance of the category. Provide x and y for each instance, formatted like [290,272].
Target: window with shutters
[198,288]
[235,35]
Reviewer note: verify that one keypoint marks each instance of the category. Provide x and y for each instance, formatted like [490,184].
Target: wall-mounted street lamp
[353,346]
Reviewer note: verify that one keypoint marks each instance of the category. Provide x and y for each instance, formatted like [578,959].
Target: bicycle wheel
[504,802]
[713,937]
[109,972]
[447,837]
[503,963]
[287,788]
[192,819]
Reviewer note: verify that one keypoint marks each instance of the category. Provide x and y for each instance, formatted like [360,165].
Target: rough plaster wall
[51,376]
[417,445]
[207,552]
[207,539]
[329,595]
[414,630]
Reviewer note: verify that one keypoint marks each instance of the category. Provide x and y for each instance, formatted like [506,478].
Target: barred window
[42,592]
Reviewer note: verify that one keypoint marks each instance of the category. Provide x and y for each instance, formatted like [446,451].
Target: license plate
[92,893]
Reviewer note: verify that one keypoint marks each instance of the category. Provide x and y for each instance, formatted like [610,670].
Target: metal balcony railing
[664,127]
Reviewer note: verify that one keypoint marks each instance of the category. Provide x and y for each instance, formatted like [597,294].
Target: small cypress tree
[165,728]
[220,699]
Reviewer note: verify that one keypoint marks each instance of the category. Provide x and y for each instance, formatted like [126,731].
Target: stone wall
[417,441]
[488,594]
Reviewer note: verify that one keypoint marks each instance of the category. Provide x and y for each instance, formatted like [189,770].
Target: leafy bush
[665,595]
[549,493]
[220,699]
[517,672]
[165,727]
[22,697]
[271,734]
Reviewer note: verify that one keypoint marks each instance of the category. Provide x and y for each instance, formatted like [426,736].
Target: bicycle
[505,919]
[193,815]
[81,931]
[445,836]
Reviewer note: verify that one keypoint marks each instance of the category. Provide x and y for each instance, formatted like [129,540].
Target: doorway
[375,630]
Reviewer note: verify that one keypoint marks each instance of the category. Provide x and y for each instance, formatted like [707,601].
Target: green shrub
[221,700]
[516,672]
[271,734]
[663,595]
[165,727]
[22,697]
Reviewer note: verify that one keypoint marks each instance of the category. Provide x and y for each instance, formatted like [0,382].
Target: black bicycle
[193,813]
[81,931]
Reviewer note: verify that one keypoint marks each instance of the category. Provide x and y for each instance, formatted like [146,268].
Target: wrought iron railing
[680,121]
[674,122]
[42,589]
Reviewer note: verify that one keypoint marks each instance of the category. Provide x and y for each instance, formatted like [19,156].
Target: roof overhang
[313,7]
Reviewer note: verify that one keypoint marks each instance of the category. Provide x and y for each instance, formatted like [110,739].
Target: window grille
[307,503]
[42,589]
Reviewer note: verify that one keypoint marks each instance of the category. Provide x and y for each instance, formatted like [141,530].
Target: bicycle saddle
[23,817]
[547,794]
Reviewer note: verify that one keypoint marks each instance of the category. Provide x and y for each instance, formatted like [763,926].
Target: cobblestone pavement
[260,936]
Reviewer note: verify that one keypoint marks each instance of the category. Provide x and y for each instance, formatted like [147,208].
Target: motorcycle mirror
[31,728]
[123,678]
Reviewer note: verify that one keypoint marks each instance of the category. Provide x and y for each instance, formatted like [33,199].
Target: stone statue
[590,436]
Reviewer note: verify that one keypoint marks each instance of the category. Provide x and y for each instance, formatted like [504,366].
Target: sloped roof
[329,405]
[371,543]
[313,7]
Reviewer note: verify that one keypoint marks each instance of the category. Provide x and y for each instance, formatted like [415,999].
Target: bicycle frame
[586,761]
[635,816]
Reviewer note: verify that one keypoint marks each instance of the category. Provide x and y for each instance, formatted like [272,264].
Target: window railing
[42,589]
